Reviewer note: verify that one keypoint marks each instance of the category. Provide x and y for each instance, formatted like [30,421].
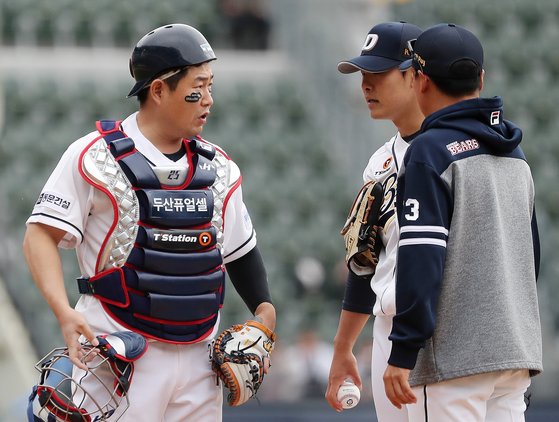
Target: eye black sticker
[193,98]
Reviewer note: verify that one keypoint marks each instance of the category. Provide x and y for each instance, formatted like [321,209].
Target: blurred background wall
[297,128]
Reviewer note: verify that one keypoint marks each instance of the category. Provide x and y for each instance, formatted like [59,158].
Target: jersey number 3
[413,206]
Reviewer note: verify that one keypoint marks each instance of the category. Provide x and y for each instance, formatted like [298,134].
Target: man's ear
[156,90]
[481,80]
[424,81]
[409,76]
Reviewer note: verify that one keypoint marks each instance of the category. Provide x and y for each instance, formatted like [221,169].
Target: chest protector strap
[161,271]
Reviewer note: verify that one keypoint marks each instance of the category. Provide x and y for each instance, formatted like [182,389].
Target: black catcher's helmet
[167,47]
[69,394]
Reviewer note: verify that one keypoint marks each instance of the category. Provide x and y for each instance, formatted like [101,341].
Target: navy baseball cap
[385,47]
[447,51]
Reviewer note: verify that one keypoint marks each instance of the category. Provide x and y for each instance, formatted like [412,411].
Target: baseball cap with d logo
[385,47]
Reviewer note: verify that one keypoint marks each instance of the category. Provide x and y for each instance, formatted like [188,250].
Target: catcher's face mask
[65,393]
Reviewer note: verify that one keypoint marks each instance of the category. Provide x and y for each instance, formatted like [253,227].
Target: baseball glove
[238,359]
[360,231]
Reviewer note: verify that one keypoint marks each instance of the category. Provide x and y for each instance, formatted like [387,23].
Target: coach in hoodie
[466,335]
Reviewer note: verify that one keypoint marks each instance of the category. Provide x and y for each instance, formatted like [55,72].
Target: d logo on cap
[370,42]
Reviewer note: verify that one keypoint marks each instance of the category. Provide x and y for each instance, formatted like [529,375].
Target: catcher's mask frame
[59,397]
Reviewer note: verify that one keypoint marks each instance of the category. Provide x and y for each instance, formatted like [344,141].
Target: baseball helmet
[167,47]
[60,397]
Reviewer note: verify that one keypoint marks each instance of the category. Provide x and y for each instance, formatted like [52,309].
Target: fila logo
[370,42]
[495,117]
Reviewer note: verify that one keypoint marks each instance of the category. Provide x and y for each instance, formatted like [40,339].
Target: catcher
[157,217]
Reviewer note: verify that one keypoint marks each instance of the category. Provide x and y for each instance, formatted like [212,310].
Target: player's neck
[410,122]
[155,133]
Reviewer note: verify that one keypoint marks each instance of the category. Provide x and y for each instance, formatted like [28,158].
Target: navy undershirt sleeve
[249,278]
[358,296]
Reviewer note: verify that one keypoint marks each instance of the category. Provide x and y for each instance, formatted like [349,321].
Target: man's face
[188,106]
[386,93]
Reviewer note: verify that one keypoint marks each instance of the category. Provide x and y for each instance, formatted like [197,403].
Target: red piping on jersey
[228,196]
[215,146]
[235,186]
[190,173]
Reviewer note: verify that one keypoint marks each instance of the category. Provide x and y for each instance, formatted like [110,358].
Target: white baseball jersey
[69,203]
[383,167]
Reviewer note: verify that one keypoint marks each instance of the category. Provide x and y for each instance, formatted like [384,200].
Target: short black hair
[172,82]
[458,86]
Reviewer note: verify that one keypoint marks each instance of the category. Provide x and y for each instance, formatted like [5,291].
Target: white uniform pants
[386,411]
[490,397]
[171,383]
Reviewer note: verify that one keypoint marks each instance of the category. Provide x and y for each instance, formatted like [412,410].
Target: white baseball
[348,395]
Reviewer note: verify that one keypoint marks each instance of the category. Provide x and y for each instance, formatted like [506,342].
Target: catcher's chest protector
[160,270]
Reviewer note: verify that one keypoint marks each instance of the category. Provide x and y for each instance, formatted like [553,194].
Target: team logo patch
[495,117]
[462,146]
[385,167]
[54,201]
[370,42]
[168,203]
[205,238]
[180,240]
[175,208]
[387,163]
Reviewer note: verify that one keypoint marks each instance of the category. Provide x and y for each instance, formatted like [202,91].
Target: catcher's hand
[361,230]
[237,357]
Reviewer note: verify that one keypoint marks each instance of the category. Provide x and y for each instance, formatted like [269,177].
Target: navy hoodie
[468,258]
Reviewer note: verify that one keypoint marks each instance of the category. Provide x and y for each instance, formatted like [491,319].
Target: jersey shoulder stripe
[422,229]
[422,241]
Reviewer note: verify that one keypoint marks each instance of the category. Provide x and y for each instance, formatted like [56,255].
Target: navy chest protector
[169,284]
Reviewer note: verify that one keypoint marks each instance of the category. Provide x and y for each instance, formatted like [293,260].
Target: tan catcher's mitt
[237,357]
[360,232]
